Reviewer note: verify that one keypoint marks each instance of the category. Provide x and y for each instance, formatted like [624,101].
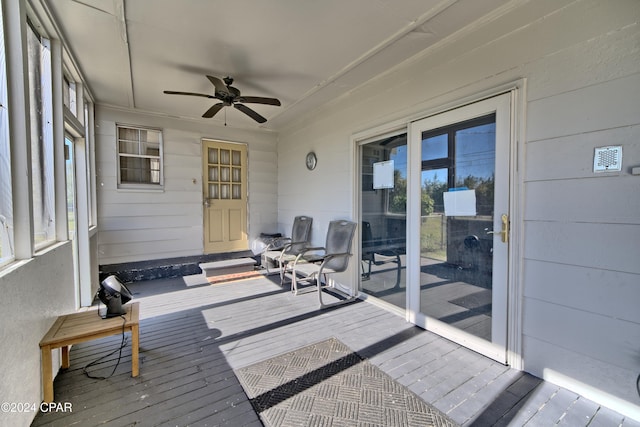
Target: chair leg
[294,283]
[283,266]
[333,304]
[399,274]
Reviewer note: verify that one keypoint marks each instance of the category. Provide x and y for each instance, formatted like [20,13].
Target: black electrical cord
[638,384]
[123,344]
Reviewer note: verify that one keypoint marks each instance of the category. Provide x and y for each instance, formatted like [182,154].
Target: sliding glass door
[460,290]
[434,213]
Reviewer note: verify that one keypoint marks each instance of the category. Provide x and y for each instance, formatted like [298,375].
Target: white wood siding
[581,241]
[148,225]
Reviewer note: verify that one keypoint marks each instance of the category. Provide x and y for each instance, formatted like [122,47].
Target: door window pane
[475,159]
[456,251]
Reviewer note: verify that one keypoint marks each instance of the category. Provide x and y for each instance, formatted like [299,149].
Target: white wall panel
[584,200]
[606,246]
[33,295]
[614,387]
[583,332]
[605,292]
[586,110]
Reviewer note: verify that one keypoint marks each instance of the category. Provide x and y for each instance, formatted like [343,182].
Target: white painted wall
[581,240]
[140,226]
[34,294]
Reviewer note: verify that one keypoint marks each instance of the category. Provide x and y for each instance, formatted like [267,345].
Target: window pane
[236,157]
[139,170]
[90,167]
[383,222]
[435,147]
[475,159]
[70,170]
[128,147]
[225,158]
[65,92]
[69,95]
[42,174]
[434,184]
[6,204]
[398,194]
[72,99]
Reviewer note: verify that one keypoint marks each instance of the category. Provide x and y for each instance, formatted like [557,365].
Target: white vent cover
[607,159]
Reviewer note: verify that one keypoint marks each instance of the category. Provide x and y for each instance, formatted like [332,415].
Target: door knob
[504,233]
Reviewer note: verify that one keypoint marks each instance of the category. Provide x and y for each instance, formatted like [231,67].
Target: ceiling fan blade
[173,92]
[259,100]
[213,110]
[219,84]
[249,112]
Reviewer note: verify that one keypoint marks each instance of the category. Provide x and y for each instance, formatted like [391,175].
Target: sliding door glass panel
[458,169]
[383,216]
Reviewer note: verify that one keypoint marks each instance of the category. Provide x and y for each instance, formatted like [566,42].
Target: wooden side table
[86,326]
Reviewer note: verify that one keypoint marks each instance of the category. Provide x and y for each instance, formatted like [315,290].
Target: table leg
[65,357]
[135,344]
[47,374]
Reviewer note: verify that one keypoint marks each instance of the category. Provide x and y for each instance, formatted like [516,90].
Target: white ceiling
[303,52]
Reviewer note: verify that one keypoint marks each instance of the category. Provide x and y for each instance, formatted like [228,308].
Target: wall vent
[607,159]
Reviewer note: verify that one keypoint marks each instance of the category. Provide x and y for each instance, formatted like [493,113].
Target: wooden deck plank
[193,337]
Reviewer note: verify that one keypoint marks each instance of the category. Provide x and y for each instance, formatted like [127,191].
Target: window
[6,204]
[88,152]
[139,157]
[42,164]
[459,156]
[69,95]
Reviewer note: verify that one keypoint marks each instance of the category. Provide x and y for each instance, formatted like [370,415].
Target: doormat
[215,280]
[327,384]
[479,302]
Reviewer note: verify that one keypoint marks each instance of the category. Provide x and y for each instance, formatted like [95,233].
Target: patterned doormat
[327,384]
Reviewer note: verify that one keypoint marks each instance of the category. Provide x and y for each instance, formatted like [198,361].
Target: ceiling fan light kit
[229,95]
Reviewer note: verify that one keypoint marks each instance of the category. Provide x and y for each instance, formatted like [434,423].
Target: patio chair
[283,250]
[378,252]
[323,261]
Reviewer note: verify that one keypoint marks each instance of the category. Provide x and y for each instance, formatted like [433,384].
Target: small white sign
[383,175]
[460,203]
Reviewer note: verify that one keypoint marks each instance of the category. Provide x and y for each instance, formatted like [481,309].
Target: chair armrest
[290,245]
[277,244]
[328,257]
[309,258]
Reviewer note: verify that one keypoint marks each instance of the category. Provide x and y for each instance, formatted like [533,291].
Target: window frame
[6,204]
[45,145]
[149,185]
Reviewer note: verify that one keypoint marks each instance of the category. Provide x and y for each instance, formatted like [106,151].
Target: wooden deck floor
[193,334]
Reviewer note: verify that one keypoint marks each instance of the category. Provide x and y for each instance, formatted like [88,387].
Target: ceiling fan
[229,96]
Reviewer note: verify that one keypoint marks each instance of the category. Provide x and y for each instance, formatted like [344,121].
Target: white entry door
[224,181]
[459,279]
